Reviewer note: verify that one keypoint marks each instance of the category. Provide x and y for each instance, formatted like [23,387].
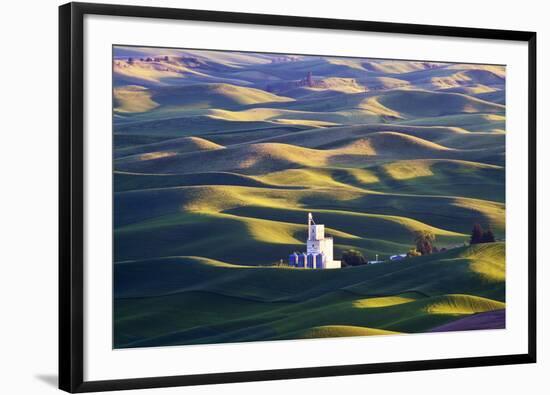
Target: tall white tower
[317,243]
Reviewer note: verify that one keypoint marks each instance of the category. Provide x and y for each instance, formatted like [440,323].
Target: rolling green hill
[434,104]
[178,145]
[222,302]
[219,156]
[238,221]
[214,96]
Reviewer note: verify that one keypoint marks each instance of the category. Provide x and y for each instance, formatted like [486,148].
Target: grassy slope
[471,122]
[222,302]
[133,98]
[433,104]
[178,145]
[263,157]
[211,167]
[221,214]
[214,96]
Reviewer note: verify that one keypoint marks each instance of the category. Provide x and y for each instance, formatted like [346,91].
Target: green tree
[353,258]
[424,240]
[477,234]
[488,236]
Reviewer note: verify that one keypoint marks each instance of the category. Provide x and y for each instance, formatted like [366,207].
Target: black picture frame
[71,195]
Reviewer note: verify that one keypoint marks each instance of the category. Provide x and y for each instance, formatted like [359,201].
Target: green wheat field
[219,157]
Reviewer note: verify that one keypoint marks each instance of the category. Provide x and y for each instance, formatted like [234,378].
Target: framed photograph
[253,197]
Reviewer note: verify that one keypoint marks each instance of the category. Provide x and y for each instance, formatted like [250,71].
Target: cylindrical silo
[302,260]
[319,261]
[293,259]
[311,261]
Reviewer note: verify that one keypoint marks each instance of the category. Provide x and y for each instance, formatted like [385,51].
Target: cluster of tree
[148,59]
[480,235]
[424,242]
[284,59]
[353,258]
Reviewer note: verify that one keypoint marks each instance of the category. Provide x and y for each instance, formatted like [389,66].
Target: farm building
[398,257]
[319,249]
